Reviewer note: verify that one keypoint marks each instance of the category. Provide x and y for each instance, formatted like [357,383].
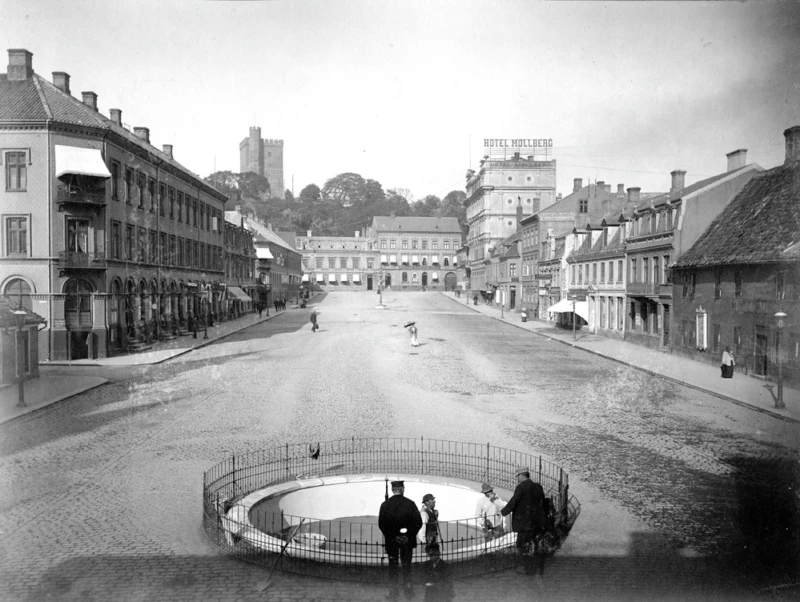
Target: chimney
[143,133]
[168,150]
[601,185]
[677,180]
[519,211]
[737,159]
[116,116]
[558,196]
[792,136]
[20,65]
[633,194]
[516,156]
[530,157]
[577,184]
[61,81]
[90,100]
[621,189]
[607,188]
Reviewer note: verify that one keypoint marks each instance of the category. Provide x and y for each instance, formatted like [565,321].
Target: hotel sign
[517,143]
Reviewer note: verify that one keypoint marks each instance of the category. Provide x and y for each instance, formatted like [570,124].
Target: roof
[36,99]
[7,317]
[760,225]
[263,234]
[417,224]
[289,238]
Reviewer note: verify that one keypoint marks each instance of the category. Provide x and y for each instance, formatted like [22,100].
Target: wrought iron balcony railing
[76,260]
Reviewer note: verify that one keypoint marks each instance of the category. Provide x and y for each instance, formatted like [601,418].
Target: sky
[405,92]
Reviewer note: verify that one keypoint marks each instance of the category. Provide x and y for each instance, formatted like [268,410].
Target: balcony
[642,289]
[71,197]
[83,261]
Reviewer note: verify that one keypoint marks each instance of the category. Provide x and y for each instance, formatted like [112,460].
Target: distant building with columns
[264,157]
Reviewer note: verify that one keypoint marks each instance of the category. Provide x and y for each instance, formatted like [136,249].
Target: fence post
[561,483]
[540,470]
[233,460]
[422,454]
[488,452]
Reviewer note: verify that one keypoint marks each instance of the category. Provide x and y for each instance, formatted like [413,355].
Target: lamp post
[20,315]
[780,322]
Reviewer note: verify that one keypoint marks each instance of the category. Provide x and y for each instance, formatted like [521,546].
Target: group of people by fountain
[404,526]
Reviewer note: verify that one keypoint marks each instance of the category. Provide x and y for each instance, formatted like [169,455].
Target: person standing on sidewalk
[400,522]
[314,325]
[429,534]
[528,520]
[412,330]
[728,362]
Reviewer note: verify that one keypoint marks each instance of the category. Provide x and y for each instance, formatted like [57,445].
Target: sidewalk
[45,390]
[743,390]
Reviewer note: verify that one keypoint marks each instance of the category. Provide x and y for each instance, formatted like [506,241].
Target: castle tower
[272,152]
[251,156]
[264,157]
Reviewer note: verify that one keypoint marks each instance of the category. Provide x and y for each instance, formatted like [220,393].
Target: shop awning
[415,259]
[404,259]
[344,278]
[331,277]
[565,306]
[356,278]
[435,276]
[435,259]
[80,161]
[305,278]
[238,293]
[320,278]
[392,258]
[263,253]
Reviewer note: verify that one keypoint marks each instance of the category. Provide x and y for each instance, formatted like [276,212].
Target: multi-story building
[742,272]
[240,264]
[660,230]
[552,268]
[263,157]
[493,194]
[343,263]
[112,241]
[417,252]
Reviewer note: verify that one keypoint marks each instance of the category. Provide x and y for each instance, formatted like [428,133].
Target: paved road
[684,495]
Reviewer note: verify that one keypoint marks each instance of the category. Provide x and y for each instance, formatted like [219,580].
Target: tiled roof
[448,225]
[20,101]
[8,319]
[263,234]
[760,225]
[512,251]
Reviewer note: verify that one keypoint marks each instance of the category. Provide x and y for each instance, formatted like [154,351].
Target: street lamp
[20,315]
[780,322]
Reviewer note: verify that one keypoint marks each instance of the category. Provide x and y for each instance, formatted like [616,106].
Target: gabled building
[343,263]
[660,230]
[743,269]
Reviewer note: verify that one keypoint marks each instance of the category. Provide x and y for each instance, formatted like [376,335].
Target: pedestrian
[438,583]
[728,362]
[260,309]
[429,534]
[412,330]
[314,324]
[487,510]
[528,520]
[400,522]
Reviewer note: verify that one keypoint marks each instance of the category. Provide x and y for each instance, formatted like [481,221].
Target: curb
[50,405]
[733,400]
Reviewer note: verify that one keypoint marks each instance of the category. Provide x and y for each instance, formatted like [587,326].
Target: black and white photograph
[442,300]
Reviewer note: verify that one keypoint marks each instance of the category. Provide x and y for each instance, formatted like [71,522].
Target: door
[369,283]
[760,367]
[512,299]
[79,344]
[666,326]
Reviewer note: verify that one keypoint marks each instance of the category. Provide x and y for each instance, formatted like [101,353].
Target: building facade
[112,241]
[263,157]
[417,253]
[240,264]
[493,194]
[342,263]
[731,287]
[659,231]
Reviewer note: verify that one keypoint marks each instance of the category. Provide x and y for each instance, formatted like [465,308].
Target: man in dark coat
[528,520]
[399,521]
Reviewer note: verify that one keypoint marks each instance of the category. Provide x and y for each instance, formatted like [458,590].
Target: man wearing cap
[429,534]
[488,509]
[400,522]
[528,520]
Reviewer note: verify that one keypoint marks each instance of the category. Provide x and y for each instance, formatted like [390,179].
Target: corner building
[493,194]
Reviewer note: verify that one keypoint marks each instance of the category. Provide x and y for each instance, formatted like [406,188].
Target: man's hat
[427,497]
[486,488]
[409,324]
[521,470]
[398,484]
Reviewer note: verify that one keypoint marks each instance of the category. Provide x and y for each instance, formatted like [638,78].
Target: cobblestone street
[684,495]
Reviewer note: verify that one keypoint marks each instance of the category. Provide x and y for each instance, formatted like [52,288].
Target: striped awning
[320,278]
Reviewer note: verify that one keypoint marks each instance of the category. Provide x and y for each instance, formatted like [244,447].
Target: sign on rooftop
[540,148]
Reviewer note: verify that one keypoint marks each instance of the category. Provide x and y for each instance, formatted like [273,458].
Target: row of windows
[602,272]
[689,283]
[419,244]
[135,187]
[415,260]
[344,262]
[142,245]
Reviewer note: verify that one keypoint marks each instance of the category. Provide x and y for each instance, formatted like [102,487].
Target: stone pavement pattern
[101,496]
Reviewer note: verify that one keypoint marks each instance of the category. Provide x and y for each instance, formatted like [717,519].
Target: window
[619,270]
[318,263]
[171,202]
[717,284]
[424,244]
[332,262]
[78,235]
[405,277]
[162,248]
[162,193]
[656,271]
[370,262]
[141,185]
[737,340]
[115,178]
[594,272]
[667,277]
[194,212]
[583,206]
[413,244]
[645,270]
[152,255]
[19,291]
[16,236]
[737,284]
[356,262]
[129,242]
[180,252]
[434,244]
[180,206]
[115,240]
[343,262]
[446,244]
[393,244]
[632,277]
[141,245]
[688,285]
[383,244]
[16,171]
[405,243]
[715,337]
[780,285]
[173,255]
[602,273]
[151,191]
[652,223]
[128,185]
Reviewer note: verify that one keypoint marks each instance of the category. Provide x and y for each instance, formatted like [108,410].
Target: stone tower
[264,157]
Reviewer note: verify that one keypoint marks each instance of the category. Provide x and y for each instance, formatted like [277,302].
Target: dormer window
[583,206]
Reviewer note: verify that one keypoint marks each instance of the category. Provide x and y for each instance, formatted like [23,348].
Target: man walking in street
[400,522]
[314,325]
[528,520]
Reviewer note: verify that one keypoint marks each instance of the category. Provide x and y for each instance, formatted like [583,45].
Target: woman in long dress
[412,330]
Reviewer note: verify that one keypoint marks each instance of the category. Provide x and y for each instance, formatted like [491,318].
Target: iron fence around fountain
[361,556]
